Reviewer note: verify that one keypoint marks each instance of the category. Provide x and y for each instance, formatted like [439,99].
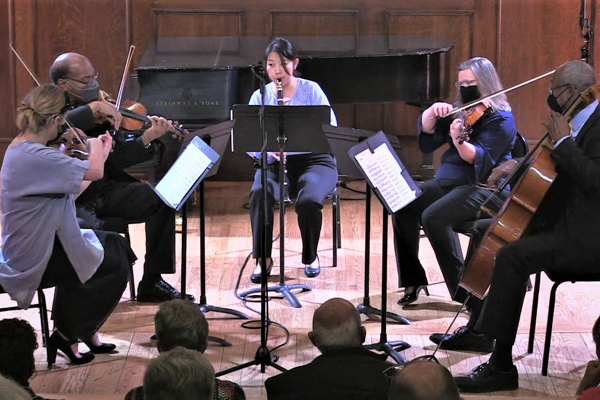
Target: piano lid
[199,79]
[230,52]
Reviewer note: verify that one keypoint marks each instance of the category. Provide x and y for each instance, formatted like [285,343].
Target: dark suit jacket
[125,153]
[348,374]
[573,201]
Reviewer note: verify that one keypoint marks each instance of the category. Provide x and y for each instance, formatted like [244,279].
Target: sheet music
[385,175]
[182,175]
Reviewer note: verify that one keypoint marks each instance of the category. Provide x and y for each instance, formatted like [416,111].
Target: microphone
[258,70]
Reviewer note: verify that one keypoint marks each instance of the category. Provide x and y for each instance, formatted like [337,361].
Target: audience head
[43,106]
[17,344]
[11,390]
[179,374]
[76,75]
[337,326]
[180,323]
[423,380]
[487,82]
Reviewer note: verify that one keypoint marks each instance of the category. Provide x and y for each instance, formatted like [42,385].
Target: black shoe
[158,292]
[464,339]
[255,277]
[310,270]
[410,296]
[486,378]
[104,348]
[57,342]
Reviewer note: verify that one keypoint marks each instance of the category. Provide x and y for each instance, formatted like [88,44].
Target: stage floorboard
[228,245]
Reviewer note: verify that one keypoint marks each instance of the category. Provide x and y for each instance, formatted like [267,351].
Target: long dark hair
[285,49]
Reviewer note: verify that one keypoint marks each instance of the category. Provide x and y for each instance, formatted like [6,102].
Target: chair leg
[335,230]
[131,278]
[534,307]
[548,339]
[43,308]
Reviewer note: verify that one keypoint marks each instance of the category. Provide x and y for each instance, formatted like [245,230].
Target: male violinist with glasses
[119,194]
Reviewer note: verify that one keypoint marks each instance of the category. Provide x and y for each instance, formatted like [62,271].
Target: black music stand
[288,128]
[262,127]
[379,176]
[341,140]
[217,137]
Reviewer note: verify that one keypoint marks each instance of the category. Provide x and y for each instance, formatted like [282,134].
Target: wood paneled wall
[522,38]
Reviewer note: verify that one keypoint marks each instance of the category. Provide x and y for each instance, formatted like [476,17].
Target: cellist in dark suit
[563,232]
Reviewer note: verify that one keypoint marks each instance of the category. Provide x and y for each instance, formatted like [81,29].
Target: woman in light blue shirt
[312,176]
[41,239]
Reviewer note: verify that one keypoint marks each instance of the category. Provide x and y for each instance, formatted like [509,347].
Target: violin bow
[37,81]
[498,93]
[124,77]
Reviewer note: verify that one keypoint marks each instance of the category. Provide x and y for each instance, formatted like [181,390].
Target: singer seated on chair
[41,240]
[454,196]
[312,176]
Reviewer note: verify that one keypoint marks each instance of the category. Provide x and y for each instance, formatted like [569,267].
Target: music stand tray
[300,123]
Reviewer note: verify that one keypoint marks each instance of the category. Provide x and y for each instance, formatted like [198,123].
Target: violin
[135,113]
[72,143]
[470,118]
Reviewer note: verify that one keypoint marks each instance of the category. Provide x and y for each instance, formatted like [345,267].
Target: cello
[514,217]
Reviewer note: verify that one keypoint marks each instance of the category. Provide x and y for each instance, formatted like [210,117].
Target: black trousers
[442,207]
[135,202]
[312,177]
[80,309]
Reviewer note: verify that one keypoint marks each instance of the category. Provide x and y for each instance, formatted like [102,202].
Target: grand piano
[196,81]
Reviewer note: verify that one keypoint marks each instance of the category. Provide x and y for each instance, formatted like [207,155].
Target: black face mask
[469,93]
[553,104]
[87,94]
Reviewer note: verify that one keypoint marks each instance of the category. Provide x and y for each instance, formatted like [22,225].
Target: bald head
[69,64]
[422,381]
[337,326]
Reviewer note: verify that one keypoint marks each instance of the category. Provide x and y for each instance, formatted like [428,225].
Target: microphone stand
[263,355]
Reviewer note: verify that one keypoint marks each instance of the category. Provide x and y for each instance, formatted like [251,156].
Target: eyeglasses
[458,84]
[86,80]
[551,90]
[390,372]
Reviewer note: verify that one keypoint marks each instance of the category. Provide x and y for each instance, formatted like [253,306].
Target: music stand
[394,187]
[341,141]
[217,137]
[260,127]
[288,128]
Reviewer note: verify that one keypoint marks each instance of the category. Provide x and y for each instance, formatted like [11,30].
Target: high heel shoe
[255,277]
[410,296]
[102,349]
[57,342]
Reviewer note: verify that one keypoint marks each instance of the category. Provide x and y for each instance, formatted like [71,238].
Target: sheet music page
[183,174]
[385,174]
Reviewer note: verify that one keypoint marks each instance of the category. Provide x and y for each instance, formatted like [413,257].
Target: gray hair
[577,73]
[179,374]
[488,82]
[181,323]
[11,390]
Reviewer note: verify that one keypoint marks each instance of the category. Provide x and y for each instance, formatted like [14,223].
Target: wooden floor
[228,244]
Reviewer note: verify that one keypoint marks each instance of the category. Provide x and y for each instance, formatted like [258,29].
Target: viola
[72,143]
